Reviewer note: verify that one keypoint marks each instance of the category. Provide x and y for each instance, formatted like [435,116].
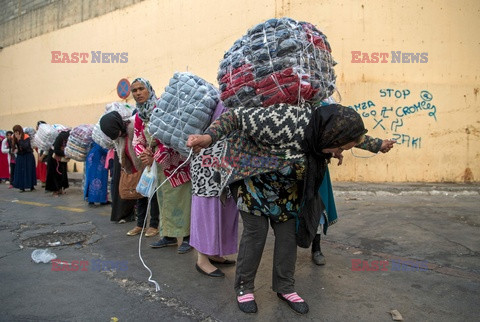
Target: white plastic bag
[43,256]
[148,181]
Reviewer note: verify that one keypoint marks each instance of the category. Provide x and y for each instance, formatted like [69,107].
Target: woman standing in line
[96,176]
[41,161]
[25,177]
[57,178]
[174,198]
[214,223]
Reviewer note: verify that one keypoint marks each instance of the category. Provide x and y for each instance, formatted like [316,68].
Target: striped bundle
[79,142]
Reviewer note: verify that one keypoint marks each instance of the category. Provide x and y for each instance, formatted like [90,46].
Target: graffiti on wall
[393,119]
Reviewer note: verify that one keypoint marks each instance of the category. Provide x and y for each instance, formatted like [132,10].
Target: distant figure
[96,176]
[25,177]
[57,179]
[7,145]
[4,162]
[41,161]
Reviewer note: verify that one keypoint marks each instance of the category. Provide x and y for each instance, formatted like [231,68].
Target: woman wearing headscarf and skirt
[294,144]
[57,177]
[214,221]
[174,197]
[25,177]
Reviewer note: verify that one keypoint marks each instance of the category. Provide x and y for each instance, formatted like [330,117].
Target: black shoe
[225,262]
[298,307]
[248,307]
[164,242]
[215,273]
[184,247]
[318,258]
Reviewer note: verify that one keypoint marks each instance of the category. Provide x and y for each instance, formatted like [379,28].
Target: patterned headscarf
[145,109]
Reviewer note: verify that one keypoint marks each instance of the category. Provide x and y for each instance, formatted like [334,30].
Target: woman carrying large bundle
[57,177]
[298,142]
[174,197]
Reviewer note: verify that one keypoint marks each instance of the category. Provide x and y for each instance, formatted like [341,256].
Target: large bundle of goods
[31,132]
[125,110]
[100,138]
[278,61]
[186,107]
[79,142]
[46,135]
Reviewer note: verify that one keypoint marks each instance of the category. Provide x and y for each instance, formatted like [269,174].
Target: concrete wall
[431,108]
[24,19]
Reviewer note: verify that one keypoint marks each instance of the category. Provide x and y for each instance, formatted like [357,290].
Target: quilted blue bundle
[186,107]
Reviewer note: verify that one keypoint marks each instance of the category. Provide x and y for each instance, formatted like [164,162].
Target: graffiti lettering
[362,106]
[405,139]
[396,124]
[397,93]
[420,106]
[378,123]
[390,118]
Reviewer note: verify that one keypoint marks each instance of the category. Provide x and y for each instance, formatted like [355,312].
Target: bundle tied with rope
[79,142]
[185,108]
[273,78]
[46,135]
[125,110]
[277,61]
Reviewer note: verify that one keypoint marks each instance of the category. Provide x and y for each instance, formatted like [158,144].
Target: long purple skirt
[214,226]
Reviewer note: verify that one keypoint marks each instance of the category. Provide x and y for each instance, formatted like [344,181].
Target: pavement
[410,247]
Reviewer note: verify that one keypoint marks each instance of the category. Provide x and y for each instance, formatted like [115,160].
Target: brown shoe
[151,232]
[135,231]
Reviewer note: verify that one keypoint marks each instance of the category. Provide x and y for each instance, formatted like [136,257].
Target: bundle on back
[185,108]
[79,142]
[277,61]
[46,135]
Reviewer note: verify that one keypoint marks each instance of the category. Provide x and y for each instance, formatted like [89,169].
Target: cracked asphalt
[400,225]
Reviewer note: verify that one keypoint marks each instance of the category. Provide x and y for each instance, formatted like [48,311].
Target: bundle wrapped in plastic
[79,142]
[31,132]
[278,61]
[125,110]
[100,138]
[46,135]
[185,108]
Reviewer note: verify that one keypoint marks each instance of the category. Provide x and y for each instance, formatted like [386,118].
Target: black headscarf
[331,126]
[111,124]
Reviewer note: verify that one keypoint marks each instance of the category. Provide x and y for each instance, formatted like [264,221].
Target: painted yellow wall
[162,37]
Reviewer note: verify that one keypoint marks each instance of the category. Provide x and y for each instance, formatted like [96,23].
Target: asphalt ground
[409,247]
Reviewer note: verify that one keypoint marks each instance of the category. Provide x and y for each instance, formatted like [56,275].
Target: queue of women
[198,207]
